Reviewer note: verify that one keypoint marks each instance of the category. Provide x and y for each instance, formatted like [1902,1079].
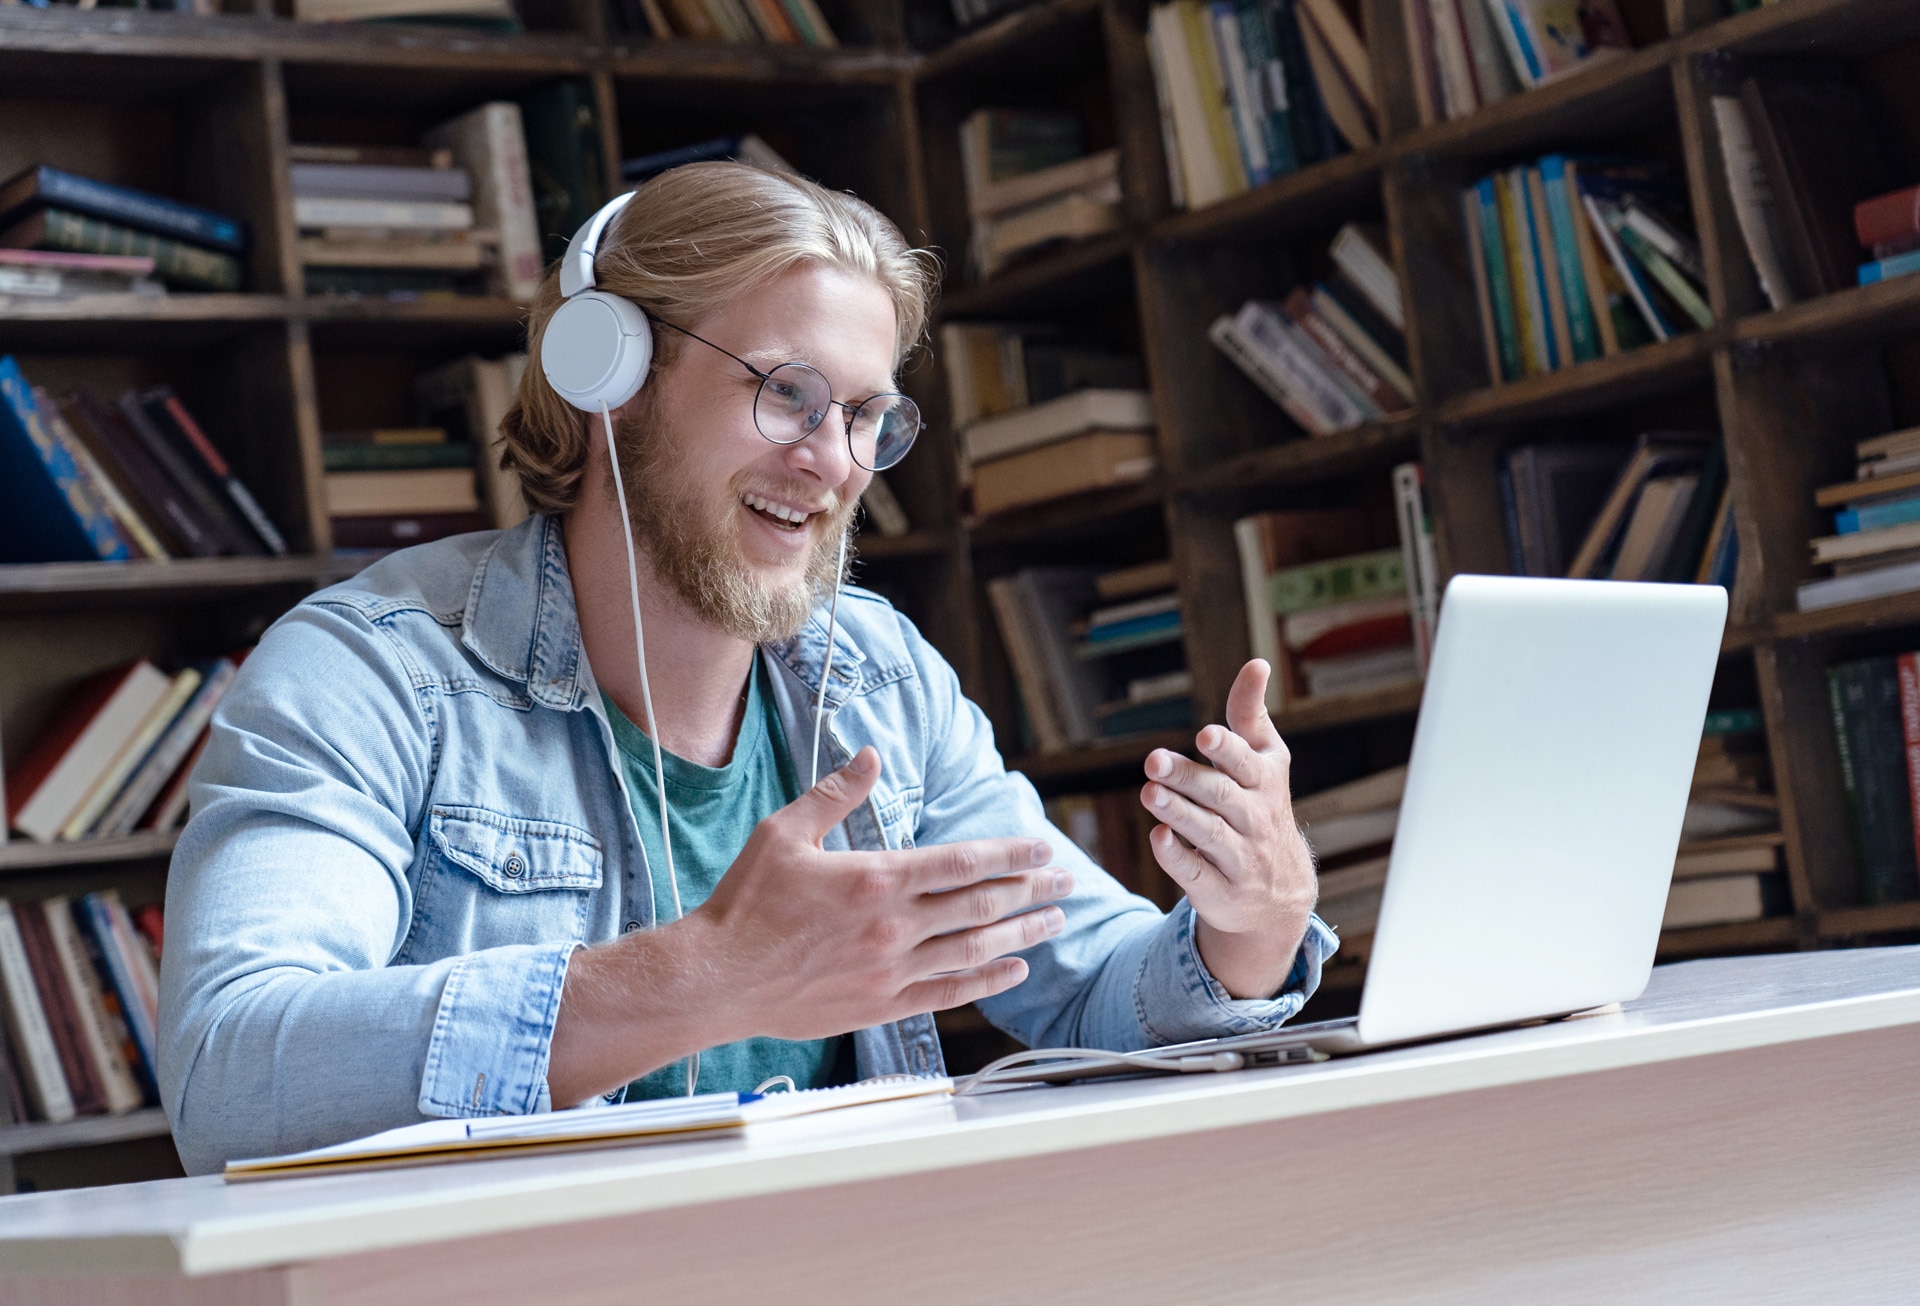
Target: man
[425,874]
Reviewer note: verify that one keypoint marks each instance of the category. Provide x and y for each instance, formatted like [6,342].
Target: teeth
[772,509]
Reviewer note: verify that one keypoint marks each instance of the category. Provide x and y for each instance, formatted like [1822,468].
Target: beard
[690,536]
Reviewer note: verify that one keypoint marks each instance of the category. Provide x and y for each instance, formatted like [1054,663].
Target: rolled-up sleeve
[1121,975]
[283,1022]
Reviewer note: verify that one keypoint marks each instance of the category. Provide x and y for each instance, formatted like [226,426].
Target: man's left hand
[1239,854]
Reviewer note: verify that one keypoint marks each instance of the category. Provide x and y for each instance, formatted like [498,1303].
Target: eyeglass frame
[852,410]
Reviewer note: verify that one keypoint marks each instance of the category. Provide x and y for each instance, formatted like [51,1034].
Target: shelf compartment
[1584,387]
[1315,196]
[1861,313]
[1043,286]
[36,585]
[25,855]
[1308,460]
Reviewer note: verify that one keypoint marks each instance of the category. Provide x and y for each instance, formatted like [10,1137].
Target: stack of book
[466,399]
[1875,548]
[778,22]
[1888,228]
[1030,184]
[1660,509]
[486,15]
[1254,89]
[1086,440]
[1095,655]
[1333,357]
[1728,865]
[116,757]
[454,215]
[1350,828]
[1111,827]
[46,209]
[1876,724]
[1804,149]
[1328,614]
[1467,54]
[50,274]
[82,480]
[396,486]
[1576,258]
[746,148]
[79,994]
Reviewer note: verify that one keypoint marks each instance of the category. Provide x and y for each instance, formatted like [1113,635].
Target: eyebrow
[768,359]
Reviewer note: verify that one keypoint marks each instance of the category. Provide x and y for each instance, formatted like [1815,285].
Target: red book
[1887,217]
[1908,667]
[63,1017]
[150,921]
[45,787]
[1361,637]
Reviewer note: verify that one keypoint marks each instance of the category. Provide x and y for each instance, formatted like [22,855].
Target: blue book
[1243,112]
[1874,516]
[1168,714]
[42,186]
[1888,268]
[1537,296]
[1510,518]
[1499,282]
[45,514]
[1269,77]
[1131,626]
[1566,249]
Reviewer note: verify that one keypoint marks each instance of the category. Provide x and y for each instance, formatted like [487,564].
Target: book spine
[1547,257]
[1849,777]
[1512,37]
[1409,513]
[1528,329]
[1629,274]
[1887,217]
[117,1027]
[1225,335]
[1450,53]
[141,211]
[1169,128]
[1369,389]
[1876,516]
[1268,82]
[1313,135]
[166,755]
[1416,18]
[1482,289]
[139,963]
[181,473]
[172,804]
[140,476]
[1663,271]
[1886,269]
[139,535]
[1245,112]
[1881,767]
[1908,666]
[102,1048]
[1377,358]
[26,1022]
[99,923]
[1274,338]
[183,266]
[217,466]
[64,1022]
[1510,519]
[1204,50]
[1029,677]
[1593,272]
[509,187]
[90,517]
[1581,325]
[1533,270]
[1754,206]
[1369,575]
[1506,328]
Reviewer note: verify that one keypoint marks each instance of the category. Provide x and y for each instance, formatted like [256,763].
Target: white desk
[1748,1131]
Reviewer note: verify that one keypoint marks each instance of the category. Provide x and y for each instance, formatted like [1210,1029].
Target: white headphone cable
[646,695]
[820,699]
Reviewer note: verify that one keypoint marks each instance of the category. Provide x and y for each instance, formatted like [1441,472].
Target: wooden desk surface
[203,1226]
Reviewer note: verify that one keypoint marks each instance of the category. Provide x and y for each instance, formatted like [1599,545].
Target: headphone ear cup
[596,350]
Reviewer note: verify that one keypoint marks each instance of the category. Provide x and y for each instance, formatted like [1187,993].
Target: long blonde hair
[690,241]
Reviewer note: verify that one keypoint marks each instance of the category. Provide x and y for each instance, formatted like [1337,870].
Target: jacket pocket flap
[513,855]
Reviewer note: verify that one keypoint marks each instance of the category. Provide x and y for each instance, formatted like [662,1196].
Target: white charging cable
[646,697]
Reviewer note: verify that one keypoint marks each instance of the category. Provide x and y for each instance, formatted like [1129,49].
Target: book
[562,130]
[1269,543]
[1246,114]
[1418,558]
[49,516]
[169,750]
[1077,216]
[1546,266]
[1021,190]
[183,469]
[1654,453]
[177,263]
[1336,580]
[171,806]
[142,540]
[1812,596]
[1864,698]
[398,215]
[1756,209]
[53,778]
[385,181]
[1287,360]
[1899,265]
[1057,419]
[1352,626]
[1650,531]
[122,455]
[1716,900]
[1380,790]
[118,1031]
[1564,217]
[404,529]
[1340,360]
[437,490]
[1335,836]
[1894,216]
[100,1042]
[1373,349]
[1000,143]
[1664,272]
[130,968]
[1265,371]
[1558,491]
[748,148]
[1360,251]
[1350,896]
[1005,595]
[41,186]
[171,416]
[117,772]
[1907,676]
[1493,288]
[1875,514]
[489,143]
[57,1001]
[883,509]
[1089,461]
[393,156]
[394,457]
[1861,544]
[1354,673]
[472,394]
[38,1060]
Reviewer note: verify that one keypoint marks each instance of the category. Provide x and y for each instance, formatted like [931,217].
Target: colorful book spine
[1269,80]
[27,1028]
[141,211]
[187,267]
[1581,320]
[1873,516]
[1886,269]
[1316,584]
[1499,279]
[75,526]
[1671,279]
[216,466]
[1907,666]
[1242,102]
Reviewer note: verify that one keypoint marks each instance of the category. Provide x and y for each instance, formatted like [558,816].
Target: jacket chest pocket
[899,817]
[494,880]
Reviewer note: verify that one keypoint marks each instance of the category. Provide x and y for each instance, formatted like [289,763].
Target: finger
[947,866]
[941,992]
[1187,867]
[1232,755]
[990,900]
[1200,826]
[833,799]
[1247,707]
[971,949]
[1200,784]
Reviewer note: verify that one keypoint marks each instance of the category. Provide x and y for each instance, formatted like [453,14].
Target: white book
[101,1043]
[131,754]
[1751,190]
[1715,900]
[490,143]
[1356,672]
[1493,73]
[1370,270]
[1056,419]
[1458,94]
[1864,544]
[1028,188]
[66,786]
[1206,183]
[1303,371]
[1169,134]
[1893,442]
[26,1021]
[1862,585]
[1225,335]
[1302,628]
[406,215]
[381,181]
[137,795]
[1263,628]
[1243,100]
[1369,792]
[1343,834]
[1417,557]
[1363,344]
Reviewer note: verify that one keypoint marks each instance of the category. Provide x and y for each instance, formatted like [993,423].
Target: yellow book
[1510,226]
[1205,53]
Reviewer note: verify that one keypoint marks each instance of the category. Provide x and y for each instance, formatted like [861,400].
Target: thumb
[833,799]
[1247,706]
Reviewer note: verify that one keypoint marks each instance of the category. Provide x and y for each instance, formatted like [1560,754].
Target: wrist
[1255,963]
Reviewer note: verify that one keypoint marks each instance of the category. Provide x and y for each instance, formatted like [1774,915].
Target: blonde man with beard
[425,874]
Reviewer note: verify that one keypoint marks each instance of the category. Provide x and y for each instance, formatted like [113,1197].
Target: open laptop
[1536,838]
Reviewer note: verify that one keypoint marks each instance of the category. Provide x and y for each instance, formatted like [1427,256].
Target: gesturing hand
[1243,863]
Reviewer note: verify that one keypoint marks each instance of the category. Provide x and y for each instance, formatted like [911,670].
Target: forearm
[643,1001]
[1255,964]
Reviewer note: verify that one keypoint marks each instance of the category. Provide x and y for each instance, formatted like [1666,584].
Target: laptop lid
[1550,769]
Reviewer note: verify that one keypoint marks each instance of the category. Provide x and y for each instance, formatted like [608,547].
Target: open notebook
[661,1120]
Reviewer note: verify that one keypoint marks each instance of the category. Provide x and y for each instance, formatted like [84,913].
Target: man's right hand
[798,943]
[817,943]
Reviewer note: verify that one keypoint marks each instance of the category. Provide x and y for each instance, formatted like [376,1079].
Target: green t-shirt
[713,811]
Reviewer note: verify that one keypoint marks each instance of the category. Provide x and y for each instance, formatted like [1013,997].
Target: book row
[117,755]
[80,998]
[1874,549]
[63,235]
[85,480]
[1875,704]
[1467,54]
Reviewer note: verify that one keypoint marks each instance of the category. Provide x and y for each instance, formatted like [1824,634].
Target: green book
[563,154]
[394,457]
[1733,721]
[1486,202]
[1337,580]
[183,266]
[1671,279]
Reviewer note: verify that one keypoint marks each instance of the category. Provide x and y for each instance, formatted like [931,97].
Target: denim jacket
[409,815]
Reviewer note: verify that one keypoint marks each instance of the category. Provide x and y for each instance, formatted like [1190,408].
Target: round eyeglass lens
[884,428]
[791,403]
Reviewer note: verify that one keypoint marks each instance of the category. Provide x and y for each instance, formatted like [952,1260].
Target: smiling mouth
[784,516]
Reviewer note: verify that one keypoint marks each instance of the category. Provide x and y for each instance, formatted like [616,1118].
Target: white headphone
[597,347]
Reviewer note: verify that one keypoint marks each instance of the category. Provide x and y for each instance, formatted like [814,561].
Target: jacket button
[515,868]
[630,927]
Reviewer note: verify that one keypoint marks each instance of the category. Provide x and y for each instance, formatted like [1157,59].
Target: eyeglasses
[792,402]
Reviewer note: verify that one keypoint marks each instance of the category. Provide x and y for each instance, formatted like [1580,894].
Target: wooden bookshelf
[203,108]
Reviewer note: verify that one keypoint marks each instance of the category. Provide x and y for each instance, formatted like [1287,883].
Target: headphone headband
[576,266]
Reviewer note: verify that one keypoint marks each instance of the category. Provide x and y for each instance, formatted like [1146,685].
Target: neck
[698,674]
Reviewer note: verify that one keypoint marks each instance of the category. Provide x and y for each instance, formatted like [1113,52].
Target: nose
[824,454]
